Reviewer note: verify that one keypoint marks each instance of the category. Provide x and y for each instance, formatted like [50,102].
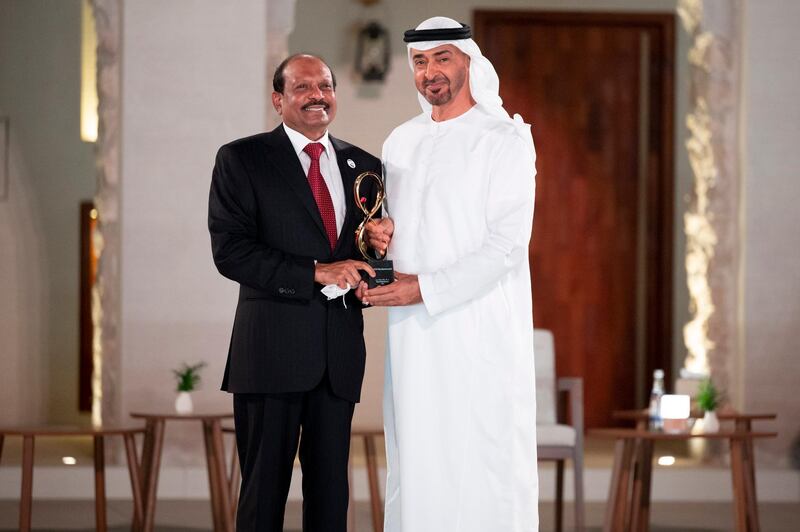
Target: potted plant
[188,378]
[708,398]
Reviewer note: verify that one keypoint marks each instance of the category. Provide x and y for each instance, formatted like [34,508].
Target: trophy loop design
[384,270]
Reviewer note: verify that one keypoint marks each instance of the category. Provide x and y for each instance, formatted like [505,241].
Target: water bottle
[656,423]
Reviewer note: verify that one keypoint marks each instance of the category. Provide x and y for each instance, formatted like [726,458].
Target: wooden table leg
[618,503]
[235,481]
[211,469]
[151,461]
[99,484]
[26,494]
[739,481]
[222,471]
[629,497]
[750,487]
[640,517]
[217,476]
[136,483]
[744,425]
[577,478]
[374,490]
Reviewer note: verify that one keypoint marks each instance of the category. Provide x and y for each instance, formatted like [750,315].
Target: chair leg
[559,495]
[577,468]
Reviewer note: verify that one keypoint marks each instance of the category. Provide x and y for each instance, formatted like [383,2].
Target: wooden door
[88,269]
[597,89]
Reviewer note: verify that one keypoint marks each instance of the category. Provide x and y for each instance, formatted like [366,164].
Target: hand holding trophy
[384,269]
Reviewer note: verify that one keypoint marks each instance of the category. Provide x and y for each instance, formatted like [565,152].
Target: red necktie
[320,191]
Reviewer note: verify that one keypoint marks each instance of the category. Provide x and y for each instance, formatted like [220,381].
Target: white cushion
[545,364]
[555,435]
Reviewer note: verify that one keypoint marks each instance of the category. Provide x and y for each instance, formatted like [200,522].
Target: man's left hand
[403,291]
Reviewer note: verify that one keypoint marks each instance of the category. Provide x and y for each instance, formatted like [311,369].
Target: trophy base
[384,273]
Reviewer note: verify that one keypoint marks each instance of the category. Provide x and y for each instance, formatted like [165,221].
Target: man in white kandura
[459,401]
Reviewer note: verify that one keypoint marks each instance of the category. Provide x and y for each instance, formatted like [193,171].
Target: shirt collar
[299,141]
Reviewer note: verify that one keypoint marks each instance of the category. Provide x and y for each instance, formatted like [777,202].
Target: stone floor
[194,515]
[187,516]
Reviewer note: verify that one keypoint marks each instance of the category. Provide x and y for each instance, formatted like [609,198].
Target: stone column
[106,238]
[280,23]
[712,224]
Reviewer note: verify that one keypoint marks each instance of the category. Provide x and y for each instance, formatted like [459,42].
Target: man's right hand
[379,234]
[341,273]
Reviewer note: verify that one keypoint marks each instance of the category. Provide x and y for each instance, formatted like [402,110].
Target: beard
[445,90]
[441,95]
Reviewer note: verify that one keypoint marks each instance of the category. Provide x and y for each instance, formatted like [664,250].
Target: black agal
[440,34]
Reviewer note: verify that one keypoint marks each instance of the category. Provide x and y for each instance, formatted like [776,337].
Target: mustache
[438,79]
[312,103]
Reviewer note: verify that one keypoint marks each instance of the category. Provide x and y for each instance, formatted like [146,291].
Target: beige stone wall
[771,194]
[193,78]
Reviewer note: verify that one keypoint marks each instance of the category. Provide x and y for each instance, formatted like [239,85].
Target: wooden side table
[29,435]
[629,494]
[222,485]
[741,423]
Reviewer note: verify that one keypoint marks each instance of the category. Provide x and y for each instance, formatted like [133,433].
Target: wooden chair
[558,441]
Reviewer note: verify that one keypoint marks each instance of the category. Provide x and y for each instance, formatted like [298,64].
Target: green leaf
[708,397]
[188,377]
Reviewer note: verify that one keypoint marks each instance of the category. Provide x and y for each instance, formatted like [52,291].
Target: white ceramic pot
[710,422]
[183,403]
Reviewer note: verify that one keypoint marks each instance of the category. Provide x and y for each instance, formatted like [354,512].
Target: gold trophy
[384,270]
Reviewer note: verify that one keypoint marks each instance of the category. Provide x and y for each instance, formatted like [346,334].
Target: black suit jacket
[266,233]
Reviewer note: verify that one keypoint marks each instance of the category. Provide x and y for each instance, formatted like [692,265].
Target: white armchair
[556,440]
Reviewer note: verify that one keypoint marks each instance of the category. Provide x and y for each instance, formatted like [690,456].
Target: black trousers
[268,428]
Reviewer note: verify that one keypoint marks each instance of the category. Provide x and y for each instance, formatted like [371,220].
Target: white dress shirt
[328,166]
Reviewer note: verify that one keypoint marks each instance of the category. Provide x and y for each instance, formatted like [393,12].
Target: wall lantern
[372,52]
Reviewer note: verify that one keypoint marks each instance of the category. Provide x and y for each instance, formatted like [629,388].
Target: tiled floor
[185,516]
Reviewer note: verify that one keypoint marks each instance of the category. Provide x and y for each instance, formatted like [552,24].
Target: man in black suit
[282,218]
